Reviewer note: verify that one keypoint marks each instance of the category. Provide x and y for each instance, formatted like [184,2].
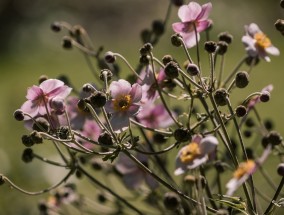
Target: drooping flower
[192,15]
[195,153]
[155,116]
[257,43]
[39,97]
[242,173]
[252,102]
[124,103]
[132,175]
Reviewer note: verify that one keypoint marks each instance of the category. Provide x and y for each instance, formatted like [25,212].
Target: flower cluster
[165,122]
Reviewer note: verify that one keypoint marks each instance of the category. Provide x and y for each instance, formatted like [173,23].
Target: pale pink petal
[196,139]
[119,122]
[30,108]
[197,162]
[120,87]
[272,50]
[34,92]
[125,165]
[208,144]
[50,85]
[61,92]
[190,39]
[206,8]
[203,25]
[180,27]
[189,12]
[252,29]
[133,110]
[136,93]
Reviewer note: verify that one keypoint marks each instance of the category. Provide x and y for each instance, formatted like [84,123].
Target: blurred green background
[29,49]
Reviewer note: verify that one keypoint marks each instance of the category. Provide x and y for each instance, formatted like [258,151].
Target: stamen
[262,40]
[122,103]
[189,153]
[244,168]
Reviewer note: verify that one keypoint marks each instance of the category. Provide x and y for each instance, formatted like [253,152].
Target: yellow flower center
[262,40]
[122,103]
[244,168]
[190,152]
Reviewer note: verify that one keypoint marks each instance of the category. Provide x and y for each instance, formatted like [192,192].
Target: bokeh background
[29,49]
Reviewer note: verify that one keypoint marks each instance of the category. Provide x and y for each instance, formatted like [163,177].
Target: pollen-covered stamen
[262,40]
[190,152]
[244,168]
[122,103]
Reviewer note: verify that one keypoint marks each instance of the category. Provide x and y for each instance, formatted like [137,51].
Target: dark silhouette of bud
[241,111]
[159,138]
[67,42]
[56,26]
[264,141]
[107,73]
[41,125]
[27,155]
[110,57]
[250,153]
[166,59]
[274,138]
[82,105]
[42,207]
[265,96]
[282,3]
[219,166]
[178,3]
[2,180]
[42,78]
[36,137]
[182,134]
[221,96]
[105,139]
[102,198]
[171,201]
[175,39]
[87,88]
[171,70]
[158,27]
[98,99]
[145,35]
[268,124]
[249,122]
[148,47]
[280,169]
[247,133]
[143,51]
[222,47]
[27,140]
[210,46]
[252,61]
[192,69]
[279,25]
[226,37]
[242,79]
[144,59]
[19,115]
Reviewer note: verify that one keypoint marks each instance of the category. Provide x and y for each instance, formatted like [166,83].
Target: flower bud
[27,140]
[58,105]
[177,3]
[268,124]
[66,42]
[98,99]
[210,46]
[222,47]
[159,138]
[41,125]
[279,25]
[87,88]
[182,134]
[63,132]
[166,59]
[42,207]
[280,169]
[242,79]
[249,122]
[36,137]
[107,73]
[171,70]
[175,39]
[148,47]
[56,26]
[219,166]
[264,141]
[171,201]
[247,133]
[226,37]
[82,105]
[252,61]
[105,139]
[144,59]
[96,165]
[27,155]
[241,111]
[145,36]
[221,96]
[192,69]
[42,78]
[265,96]
[282,3]
[143,51]
[274,138]
[158,27]
[19,115]
[110,57]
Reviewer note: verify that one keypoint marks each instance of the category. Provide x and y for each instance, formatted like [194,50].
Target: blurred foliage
[28,49]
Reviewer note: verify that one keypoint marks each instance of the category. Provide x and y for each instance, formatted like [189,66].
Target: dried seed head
[182,134]
[171,70]
[110,57]
[210,46]
[226,37]
[171,201]
[98,99]
[242,79]
[175,39]
[221,96]
[241,111]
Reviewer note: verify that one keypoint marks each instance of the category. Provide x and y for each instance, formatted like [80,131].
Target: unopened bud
[175,39]
[242,79]
[274,138]
[36,137]
[41,125]
[166,59]
[98,99]
[19,115]
[241,111]
[27,140]
[42,78]
[171,70]
[182,134]
[210,46]
[56,26]
[58,105]
[192,69]
[27,155]
[171,201]
[178,3]
[221,96]
[105,139]
[226,37]
[67,42]
[265,96]
[110,57]
[222,47]
[107,73]
[145,36]
[158,27]
[280,169]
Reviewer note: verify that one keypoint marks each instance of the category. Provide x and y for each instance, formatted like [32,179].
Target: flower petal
[206,8]
[179,27]
[208,144]
[272,50]
[190,39]
[133,180]
[50,84]
[34,92]
[189,12]
[119,122]
[136,93]
[120,87]
[203,25]
[30,108]
[252,29]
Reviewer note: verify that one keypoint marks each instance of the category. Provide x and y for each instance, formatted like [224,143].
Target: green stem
[267,211]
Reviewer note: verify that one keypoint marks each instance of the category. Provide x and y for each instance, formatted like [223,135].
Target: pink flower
[257,43]
[132,175]
[190,15]
[123,104]
[39,97]
[195,153]
[252,102]
[155,116]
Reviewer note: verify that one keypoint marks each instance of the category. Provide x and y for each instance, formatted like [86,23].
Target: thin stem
[267,211]
[94,180]
[49,161]
[158,152]
[166,133]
